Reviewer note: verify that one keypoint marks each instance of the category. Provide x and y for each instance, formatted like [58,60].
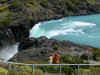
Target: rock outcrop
[41,48]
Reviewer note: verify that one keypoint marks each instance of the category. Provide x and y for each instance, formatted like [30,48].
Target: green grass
[22,71]
[3,70]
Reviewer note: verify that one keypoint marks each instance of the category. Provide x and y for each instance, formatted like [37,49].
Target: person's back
[56,58]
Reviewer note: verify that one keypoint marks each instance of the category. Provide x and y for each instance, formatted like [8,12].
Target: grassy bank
[66,70]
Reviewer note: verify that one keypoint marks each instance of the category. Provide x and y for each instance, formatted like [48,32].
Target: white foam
[63,32]
[74,24]
[61,29]
[82,24]
[60,20]
[35,29]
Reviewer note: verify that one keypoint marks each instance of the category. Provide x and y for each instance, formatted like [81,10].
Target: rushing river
[8,52]
[80,29]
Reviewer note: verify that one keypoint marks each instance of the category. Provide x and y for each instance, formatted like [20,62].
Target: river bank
[39,49]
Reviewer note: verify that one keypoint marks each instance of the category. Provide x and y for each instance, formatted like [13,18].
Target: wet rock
[34,54]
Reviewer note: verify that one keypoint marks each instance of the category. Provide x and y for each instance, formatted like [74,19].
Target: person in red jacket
[56,58]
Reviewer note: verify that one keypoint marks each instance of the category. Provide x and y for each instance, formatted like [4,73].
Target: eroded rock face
[37,43]
[39,49]
[33,54]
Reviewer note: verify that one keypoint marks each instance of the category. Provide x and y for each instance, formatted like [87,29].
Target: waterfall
[8,52]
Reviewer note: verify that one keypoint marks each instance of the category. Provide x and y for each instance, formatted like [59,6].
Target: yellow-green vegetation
[3,71]
[90,71]
[84,56]
[35,72]
[71,60]
[35,62]
[30,3]
[3,1]
[38,72]
[84,71]
[41,70]
[44,3]
[5,20]
[56,47]
[3,7]
[55,69]
[70,4]
[96,53]
[68,13]
[16,4]
[5,15]
[17,73]
[30,17]
[91,2]
[20,70]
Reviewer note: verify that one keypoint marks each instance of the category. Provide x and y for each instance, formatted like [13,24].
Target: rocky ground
[41,48]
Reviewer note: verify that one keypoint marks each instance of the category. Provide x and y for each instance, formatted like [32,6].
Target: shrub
[67,70]
[91,2]
[3,71]
[68,13]
[3,7]
[38,72]
[84,71]
[24,70]
[55,69]
[5,21]
[16,4]
[71,59]
[84,57]
[96,51]
[3,1]
[50,69]
[44,3]
[70,4]
[17,73]
[56,47]
[30,3]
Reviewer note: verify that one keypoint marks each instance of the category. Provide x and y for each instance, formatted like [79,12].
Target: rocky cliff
[39,49]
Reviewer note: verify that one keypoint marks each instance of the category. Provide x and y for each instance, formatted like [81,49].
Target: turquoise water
[80,29]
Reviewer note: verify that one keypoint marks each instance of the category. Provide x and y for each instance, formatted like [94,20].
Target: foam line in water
[61,29]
